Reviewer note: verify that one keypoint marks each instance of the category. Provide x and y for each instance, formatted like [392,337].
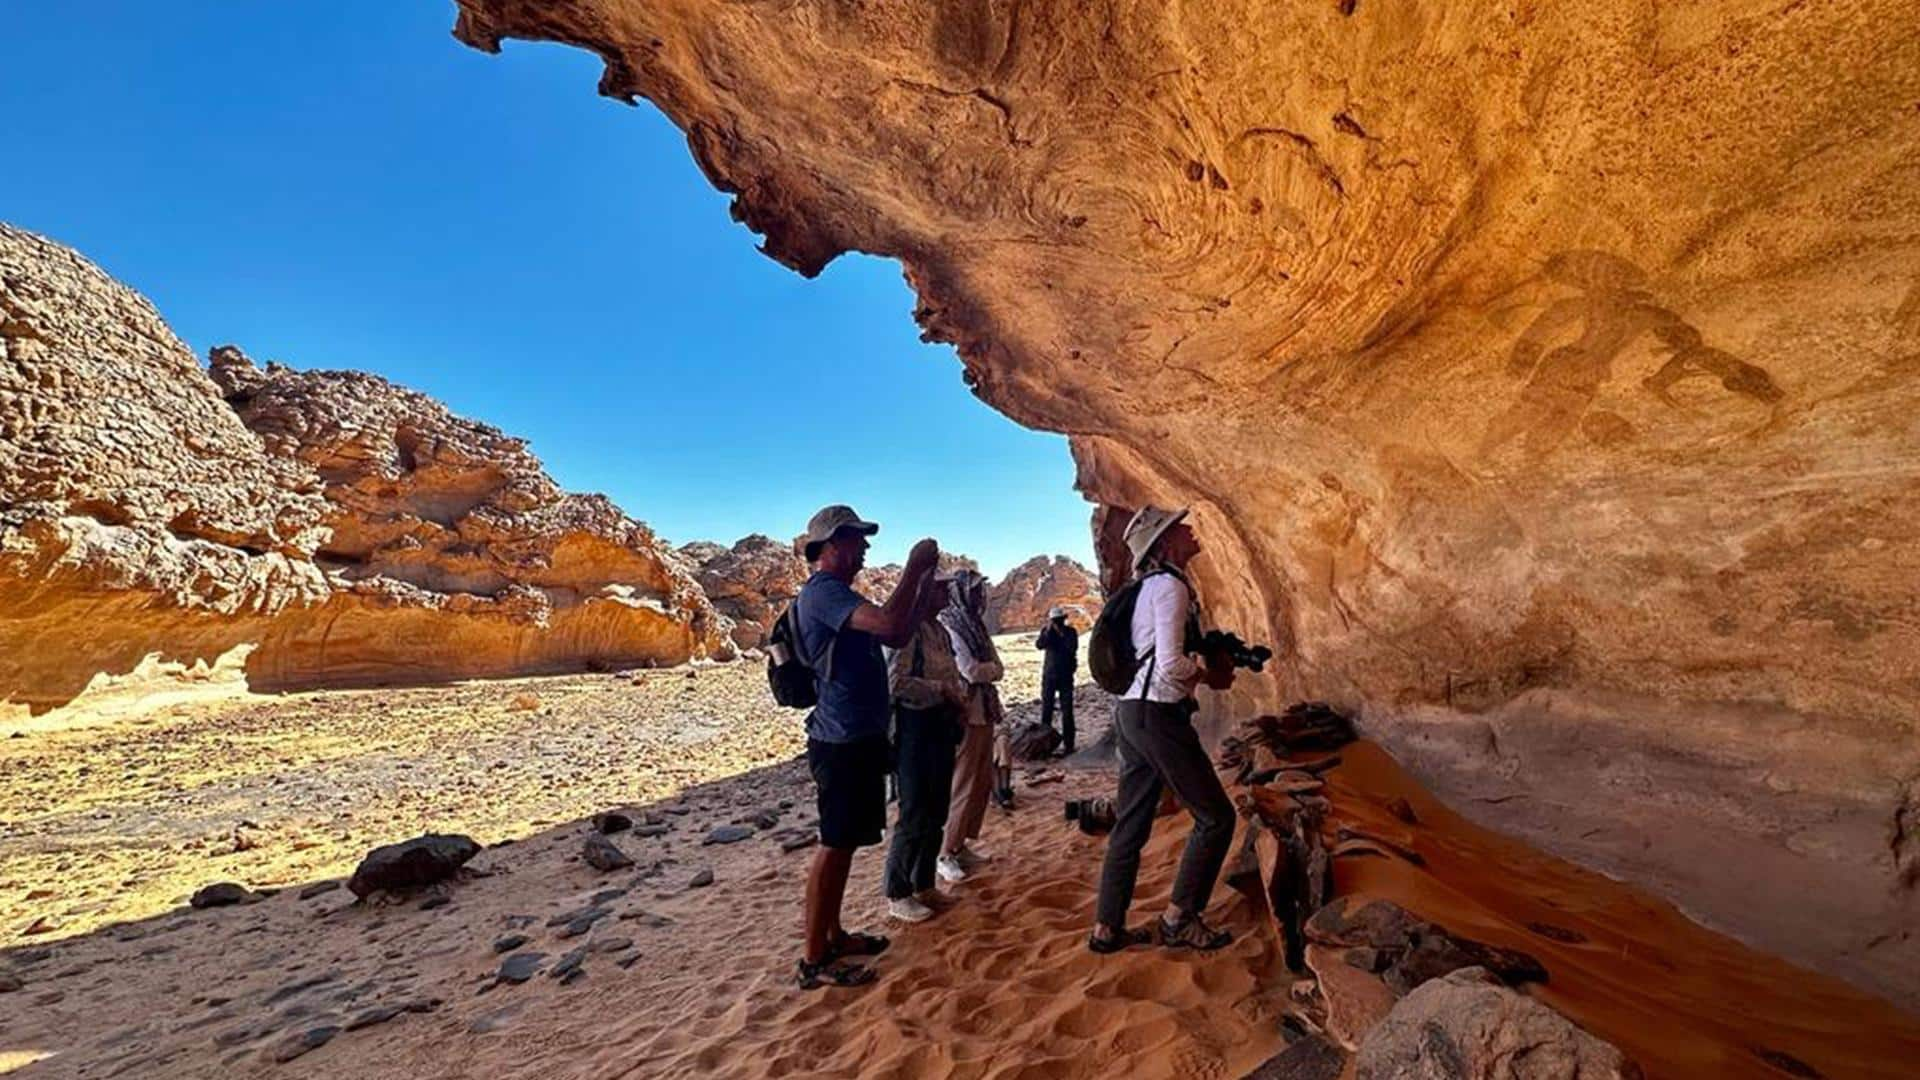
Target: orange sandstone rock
[1541,376]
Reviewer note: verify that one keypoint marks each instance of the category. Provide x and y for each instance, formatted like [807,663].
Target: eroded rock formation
[1542,376]
[1021,600]
[344,530]
[751,582]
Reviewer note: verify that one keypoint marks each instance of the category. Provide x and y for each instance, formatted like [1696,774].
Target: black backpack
[1110,655]
[791,677]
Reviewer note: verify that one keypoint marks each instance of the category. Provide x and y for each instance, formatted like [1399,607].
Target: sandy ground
[109,826]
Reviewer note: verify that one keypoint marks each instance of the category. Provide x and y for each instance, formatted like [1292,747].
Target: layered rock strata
[335,528]
[1022,599]
[1542,377]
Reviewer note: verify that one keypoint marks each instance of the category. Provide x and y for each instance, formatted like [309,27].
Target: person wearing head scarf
[929,699]
[974,777]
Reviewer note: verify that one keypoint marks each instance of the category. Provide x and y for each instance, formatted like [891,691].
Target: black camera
[1094,815]
[1243,655]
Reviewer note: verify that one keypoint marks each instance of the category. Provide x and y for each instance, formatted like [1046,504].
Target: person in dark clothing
[1061,642]
[840,635]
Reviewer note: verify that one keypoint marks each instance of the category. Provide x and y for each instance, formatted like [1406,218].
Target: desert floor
[106,826]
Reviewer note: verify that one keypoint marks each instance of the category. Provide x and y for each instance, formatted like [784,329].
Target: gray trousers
[1158,746]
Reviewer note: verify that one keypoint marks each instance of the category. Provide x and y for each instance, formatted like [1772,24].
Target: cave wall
[1542,376]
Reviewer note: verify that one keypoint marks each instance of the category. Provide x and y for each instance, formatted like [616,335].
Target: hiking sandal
[1125,939]
[829,973]
[1192,933]
[851,944]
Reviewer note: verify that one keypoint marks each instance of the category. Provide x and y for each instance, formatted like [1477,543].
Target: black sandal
[850,944]
[1191,933]
[1125,939]
[829,973]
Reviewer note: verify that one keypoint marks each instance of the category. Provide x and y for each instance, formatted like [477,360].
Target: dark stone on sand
[601,854]
[1411,951]
[1309,1058]
[728,834]
[521,966]
[701,880]
[432,902]
[612,944]
[568,964]
[300,1042]
[224,894]
[677,811]
[319,888]
[1033,741]
[765,819]
[605,895]
[300,986]
[412,864]
[9,983]
[509,943]
[573,976]
[652,830]
[797,839]
[379,1014]
[609,822]
[1558,933]
[590,914]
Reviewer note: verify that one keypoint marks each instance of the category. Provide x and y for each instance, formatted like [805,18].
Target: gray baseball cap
[830,520]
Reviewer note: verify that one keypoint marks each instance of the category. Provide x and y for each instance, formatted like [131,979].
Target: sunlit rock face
[1023,599]
[332,528]
[1543,377]
[751,582]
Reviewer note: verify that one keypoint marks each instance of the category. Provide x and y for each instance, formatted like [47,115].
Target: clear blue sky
[343,185]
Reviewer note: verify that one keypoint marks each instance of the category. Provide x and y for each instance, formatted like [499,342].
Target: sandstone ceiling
[1543,375]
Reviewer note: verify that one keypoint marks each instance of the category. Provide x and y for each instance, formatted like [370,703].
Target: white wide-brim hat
[1149,524]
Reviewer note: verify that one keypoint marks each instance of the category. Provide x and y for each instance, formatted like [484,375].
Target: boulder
[1466,1026]
[224,894]
[603,854]
[411,864]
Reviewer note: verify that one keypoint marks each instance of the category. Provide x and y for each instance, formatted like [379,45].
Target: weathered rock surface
[358,533]
[1021,600]
[751,582]
[137,513]
[1543,378]
[1465,1026]
[452,552]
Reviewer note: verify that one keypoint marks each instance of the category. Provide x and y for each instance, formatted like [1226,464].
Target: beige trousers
[972,783]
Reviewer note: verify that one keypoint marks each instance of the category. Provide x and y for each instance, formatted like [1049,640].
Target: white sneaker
[949,869]
[908,909]
[970,854]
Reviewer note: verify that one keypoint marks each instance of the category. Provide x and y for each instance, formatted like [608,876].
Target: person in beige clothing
[973,771]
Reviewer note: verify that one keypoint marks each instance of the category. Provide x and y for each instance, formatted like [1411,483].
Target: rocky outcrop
[751,582]
[333,528]
[1021,600]
[137,513]
[1542,377]
[1466,1026]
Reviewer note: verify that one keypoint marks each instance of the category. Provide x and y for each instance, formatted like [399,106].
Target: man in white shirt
[1158,746]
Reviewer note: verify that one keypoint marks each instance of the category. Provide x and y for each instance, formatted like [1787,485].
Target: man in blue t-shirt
[841,633]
